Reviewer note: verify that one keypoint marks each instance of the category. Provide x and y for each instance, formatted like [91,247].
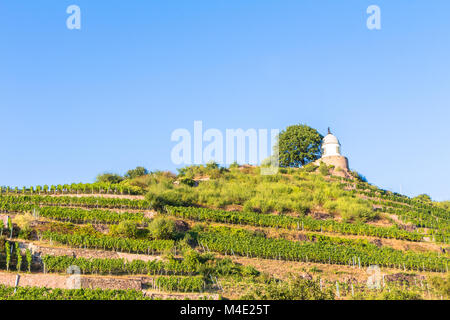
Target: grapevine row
[288,222]
[110,243]
[242,242]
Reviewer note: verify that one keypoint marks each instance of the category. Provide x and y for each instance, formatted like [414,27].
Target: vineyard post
[337,289]
[17,283]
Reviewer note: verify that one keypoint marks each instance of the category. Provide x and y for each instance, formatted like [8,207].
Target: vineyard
[309,237]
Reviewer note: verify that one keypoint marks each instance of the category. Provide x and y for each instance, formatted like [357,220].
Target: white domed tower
[330,145]
[331,152]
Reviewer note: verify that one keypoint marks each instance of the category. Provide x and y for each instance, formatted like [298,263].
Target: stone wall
[62,281]
[337,161]
[40,250]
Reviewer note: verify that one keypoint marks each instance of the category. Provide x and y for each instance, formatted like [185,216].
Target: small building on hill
[331,153]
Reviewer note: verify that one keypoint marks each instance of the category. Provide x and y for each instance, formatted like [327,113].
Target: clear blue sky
[75,103]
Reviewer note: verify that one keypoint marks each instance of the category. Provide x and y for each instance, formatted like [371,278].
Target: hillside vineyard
[211,233]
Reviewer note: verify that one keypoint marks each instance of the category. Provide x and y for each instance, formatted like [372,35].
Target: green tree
[109,178]
[137,172]
[299,145]
[423,198]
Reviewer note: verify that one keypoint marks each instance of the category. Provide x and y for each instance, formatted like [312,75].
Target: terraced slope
[212,232]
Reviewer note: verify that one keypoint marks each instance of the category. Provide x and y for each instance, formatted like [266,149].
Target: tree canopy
[299,145]
[137,172]
[423,197]
[109,178]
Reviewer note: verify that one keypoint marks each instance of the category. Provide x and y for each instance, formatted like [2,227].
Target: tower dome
[331,155]
[330,139]
[330,145]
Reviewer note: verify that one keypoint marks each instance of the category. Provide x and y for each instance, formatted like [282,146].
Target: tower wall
[337,161]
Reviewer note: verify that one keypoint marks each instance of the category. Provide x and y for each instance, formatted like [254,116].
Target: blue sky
[75,103]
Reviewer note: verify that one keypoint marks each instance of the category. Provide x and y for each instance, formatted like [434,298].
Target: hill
[211,232]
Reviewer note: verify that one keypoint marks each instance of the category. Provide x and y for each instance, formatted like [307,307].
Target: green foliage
[323,250]
[310,167]
[109,178]
[19,257]
[110,243]
[423,198]
[135,173]
[212,165]
[8,254]
[125,229]
[388,294]
[180,284]
[193,263]
[162,228]
[288,222]
[42,293]
[315,270]
[323,169]
[441,285]
[298,145]
[188,181]
[171,197]
[29,259]
[444,204]
[234,165]
[352,209]
[295,288]
[10,225]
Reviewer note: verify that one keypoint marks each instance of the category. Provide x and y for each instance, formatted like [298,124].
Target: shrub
[234,165]
[162,228]
[442,285]
[24,221]
[310,167]
[171,197]
[125,229]
[188,181]
[323,169]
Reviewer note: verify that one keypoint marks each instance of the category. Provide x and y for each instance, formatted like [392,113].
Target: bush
[250,271]
[310,167]
[125,229]
[234,165]
[188,181]
[24,221]
[171,197]
[162,228]
[323,169]
[441,285]
[423,198]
